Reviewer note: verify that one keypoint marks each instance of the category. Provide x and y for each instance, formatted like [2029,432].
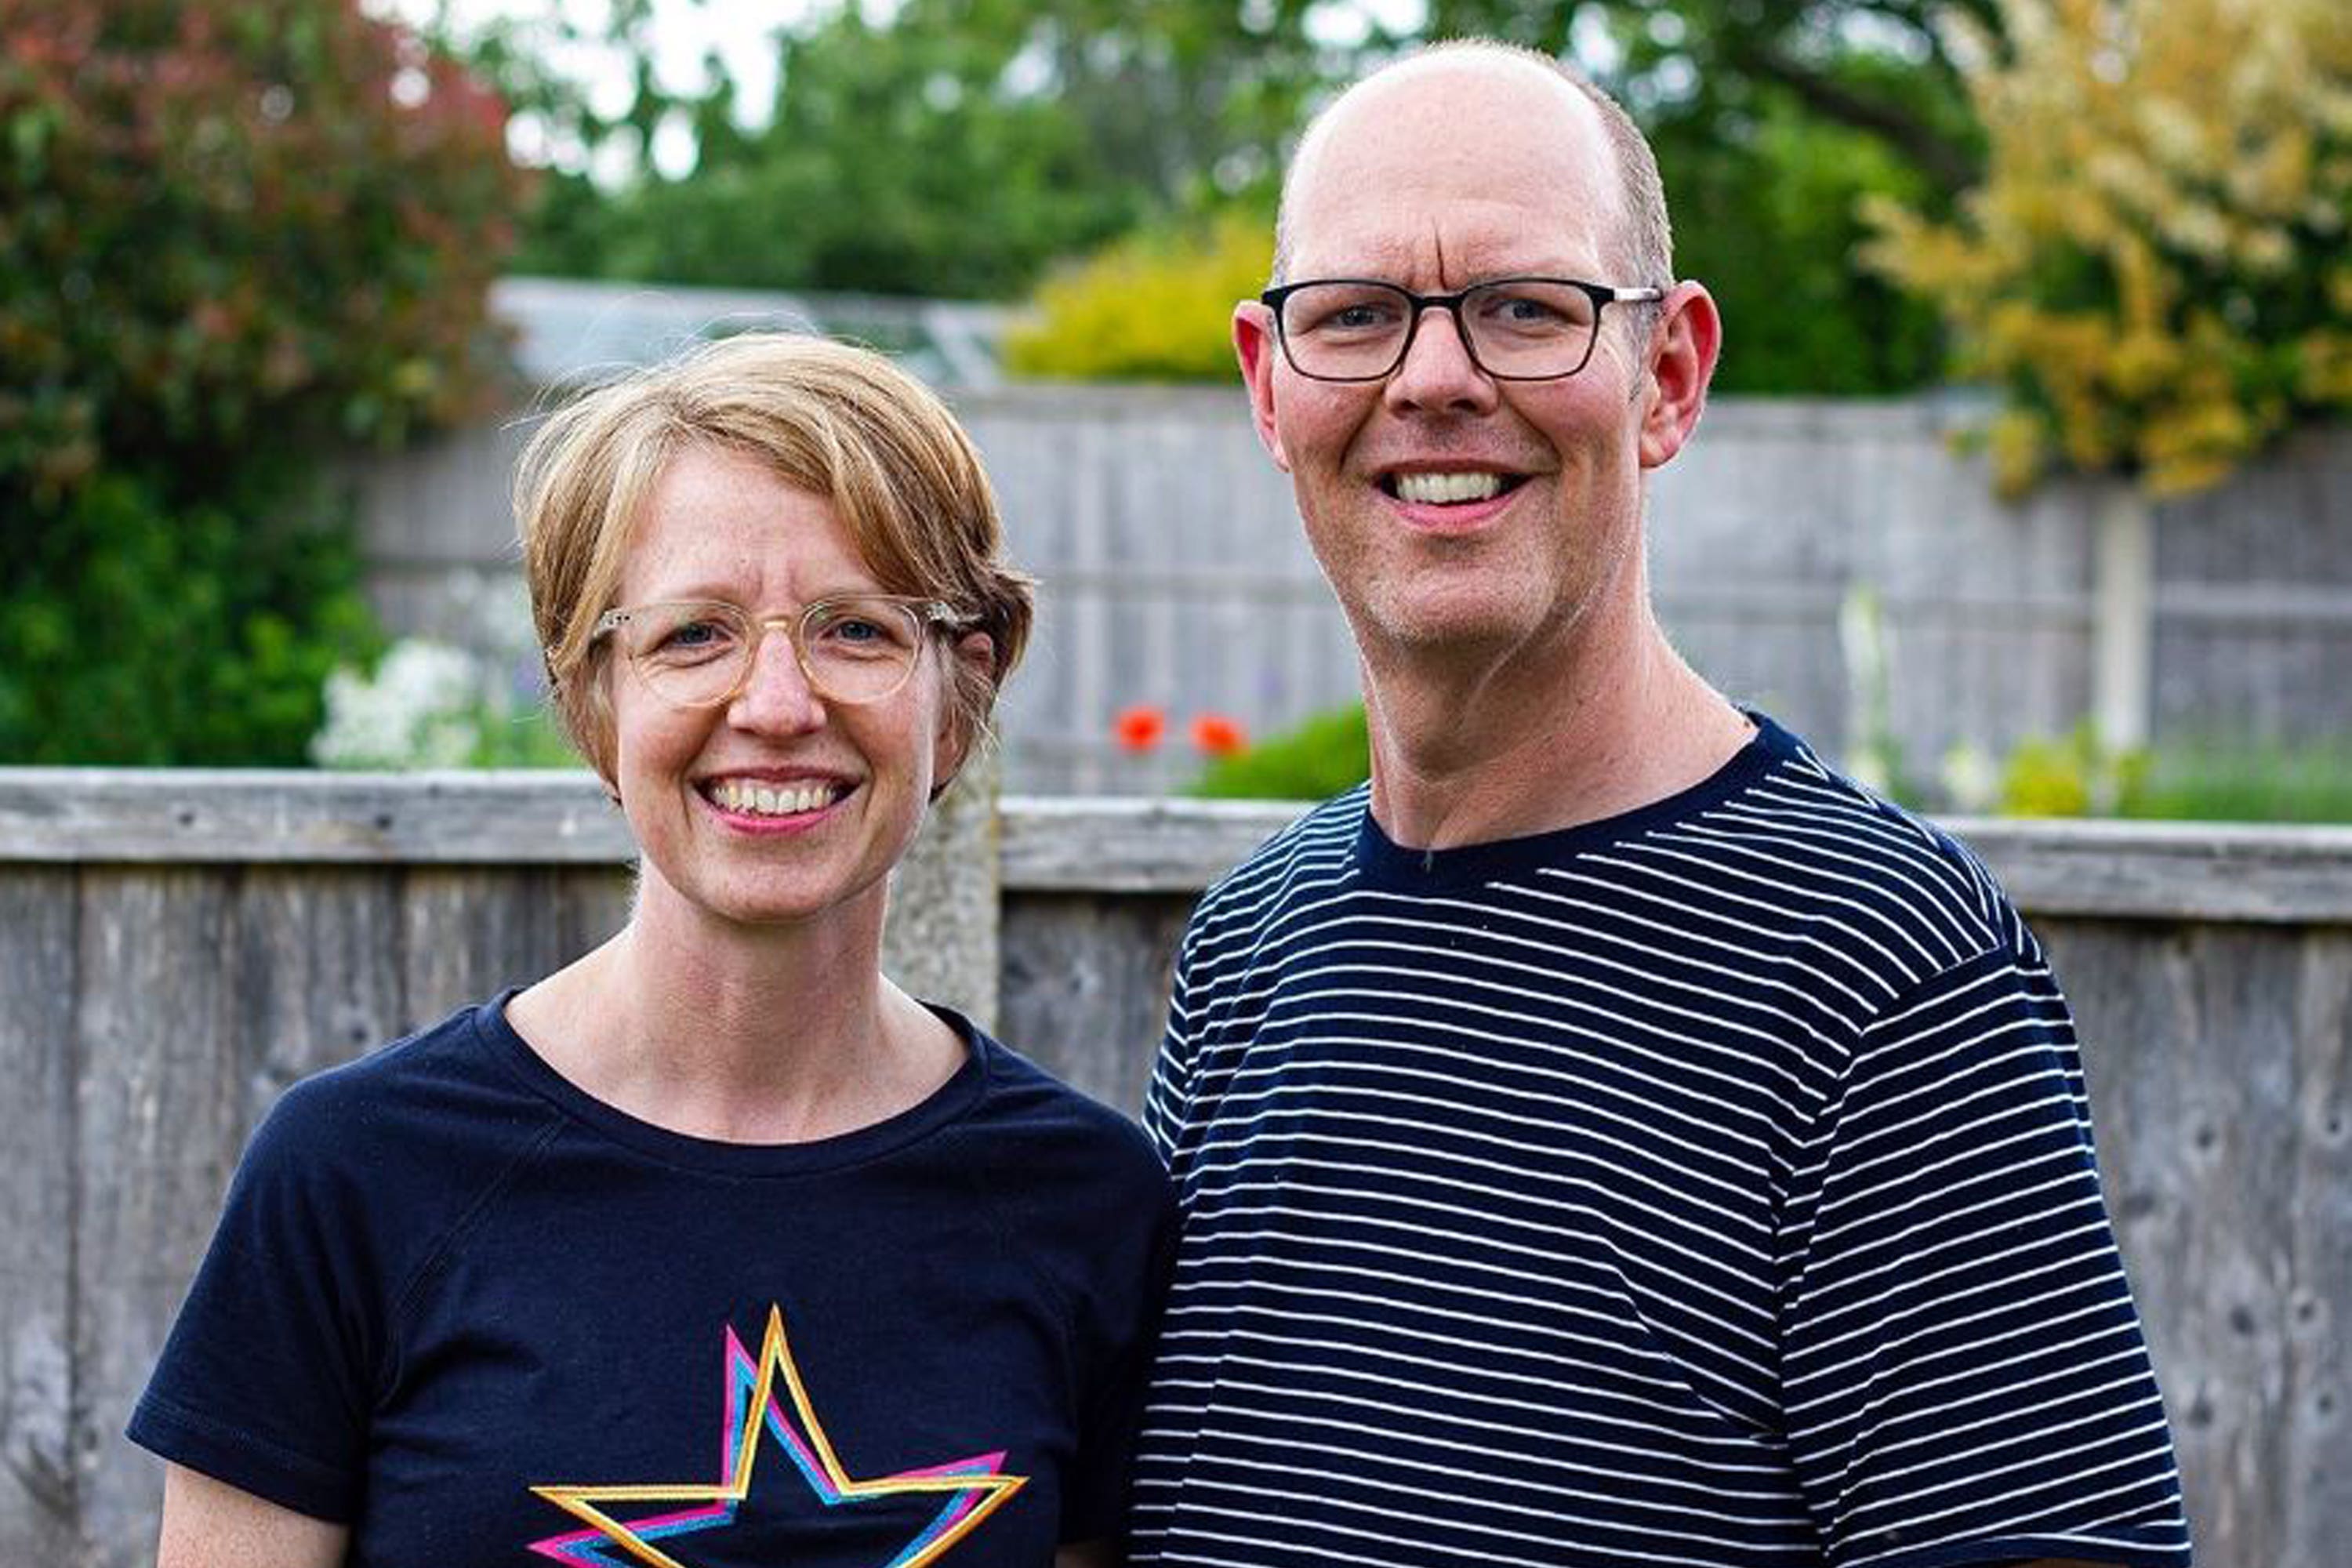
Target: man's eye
[1340,314]
[1527,311]
[1524,310]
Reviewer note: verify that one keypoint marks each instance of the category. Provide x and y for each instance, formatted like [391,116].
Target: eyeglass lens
[1519,328]
[697,654]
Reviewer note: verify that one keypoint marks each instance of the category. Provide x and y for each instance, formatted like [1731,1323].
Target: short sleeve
[1167,1095]
[1964,1373]
[265,1381]
[1095,1498]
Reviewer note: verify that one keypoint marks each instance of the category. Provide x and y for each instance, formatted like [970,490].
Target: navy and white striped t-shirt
[1712,1185]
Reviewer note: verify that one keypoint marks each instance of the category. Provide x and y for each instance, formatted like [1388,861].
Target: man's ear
[1682,349]
[972,660]
[1255,346]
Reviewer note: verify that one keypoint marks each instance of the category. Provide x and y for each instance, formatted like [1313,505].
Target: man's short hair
[839,421]
[1641,250]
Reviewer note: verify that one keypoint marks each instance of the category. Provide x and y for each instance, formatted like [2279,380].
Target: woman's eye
[691,640]
[851,633]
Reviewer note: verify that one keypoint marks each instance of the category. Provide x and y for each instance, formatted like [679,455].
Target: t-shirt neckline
[1383,862]
[942,1106]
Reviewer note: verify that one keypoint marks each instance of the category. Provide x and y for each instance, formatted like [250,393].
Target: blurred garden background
[2028,485]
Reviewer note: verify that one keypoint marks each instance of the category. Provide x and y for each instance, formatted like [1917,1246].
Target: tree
[237,232]
[963,146]
[2154,269]
[1875,67]
[957,149]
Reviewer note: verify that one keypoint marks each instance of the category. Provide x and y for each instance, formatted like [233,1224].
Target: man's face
[1455,515]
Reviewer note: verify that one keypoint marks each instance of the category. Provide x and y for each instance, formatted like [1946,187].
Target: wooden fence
[1175,574]
[175,948]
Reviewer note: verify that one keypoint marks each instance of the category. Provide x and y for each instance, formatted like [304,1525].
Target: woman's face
[777,806]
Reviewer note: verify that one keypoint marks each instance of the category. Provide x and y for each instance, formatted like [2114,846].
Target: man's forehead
[1455,149]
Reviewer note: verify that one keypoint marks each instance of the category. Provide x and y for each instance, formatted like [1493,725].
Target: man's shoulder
[1829,843]
[1323,835]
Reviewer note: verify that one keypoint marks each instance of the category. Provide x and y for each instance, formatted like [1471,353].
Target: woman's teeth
[771,800]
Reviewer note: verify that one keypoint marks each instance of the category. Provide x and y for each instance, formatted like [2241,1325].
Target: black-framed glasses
[1513,329]
[699,653]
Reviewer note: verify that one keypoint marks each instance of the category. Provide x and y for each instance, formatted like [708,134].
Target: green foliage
[1154,306]
[955,150]
[234,235]
[899,161]
[962,145]
[138,632]
[1768,219]
[224,224]
[1326,754]
[1879,68]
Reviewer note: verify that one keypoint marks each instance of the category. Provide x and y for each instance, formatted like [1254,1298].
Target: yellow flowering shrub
[1154,306]
[2157,267]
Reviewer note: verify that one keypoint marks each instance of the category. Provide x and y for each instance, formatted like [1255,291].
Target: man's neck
[1472,754]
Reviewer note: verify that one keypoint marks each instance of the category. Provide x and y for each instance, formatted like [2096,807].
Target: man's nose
[777,697]
[1437,372]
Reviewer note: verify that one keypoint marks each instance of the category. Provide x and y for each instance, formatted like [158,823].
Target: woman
[713,1247]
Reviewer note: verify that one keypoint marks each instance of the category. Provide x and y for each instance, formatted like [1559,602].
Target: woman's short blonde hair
[837,421]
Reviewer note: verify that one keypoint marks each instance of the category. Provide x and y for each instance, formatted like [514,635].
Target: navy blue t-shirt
[481,1317]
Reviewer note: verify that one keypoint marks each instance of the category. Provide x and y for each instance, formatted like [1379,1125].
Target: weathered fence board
[39,1492]
[166,1097]
[158,989]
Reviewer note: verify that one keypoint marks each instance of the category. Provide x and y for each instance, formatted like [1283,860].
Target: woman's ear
[971,669]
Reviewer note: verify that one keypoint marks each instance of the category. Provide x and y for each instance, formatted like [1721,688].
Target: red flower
[1218,735]
[1140,728]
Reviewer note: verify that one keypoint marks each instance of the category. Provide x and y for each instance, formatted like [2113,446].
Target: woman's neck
[765,1034]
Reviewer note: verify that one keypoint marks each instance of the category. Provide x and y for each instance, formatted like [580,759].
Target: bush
[237,235]
[2156,267]
[1327,753]
[1155,306]
[137,633]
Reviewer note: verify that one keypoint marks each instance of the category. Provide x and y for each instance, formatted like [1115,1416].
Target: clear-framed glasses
[1513,329]
[699,653]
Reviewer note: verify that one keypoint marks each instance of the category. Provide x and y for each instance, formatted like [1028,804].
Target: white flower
[423,708]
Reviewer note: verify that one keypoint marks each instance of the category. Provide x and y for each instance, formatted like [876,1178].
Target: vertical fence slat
[2316,1492]
[163,1116]
[1086,987]
[39,1485]
[467,933]
[320,972]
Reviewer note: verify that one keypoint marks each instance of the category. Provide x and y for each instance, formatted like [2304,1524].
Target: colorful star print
[971,1489]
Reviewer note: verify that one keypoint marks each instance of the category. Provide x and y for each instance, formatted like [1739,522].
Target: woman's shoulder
[1027,1100]
[405,1112]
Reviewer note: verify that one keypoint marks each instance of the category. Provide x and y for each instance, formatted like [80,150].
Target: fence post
[942,942]
[2122,629]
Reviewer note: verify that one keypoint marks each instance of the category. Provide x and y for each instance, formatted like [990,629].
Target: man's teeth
[771,800]
[1446,489]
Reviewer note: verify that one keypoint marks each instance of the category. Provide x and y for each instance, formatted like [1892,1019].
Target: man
[1610,1137]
